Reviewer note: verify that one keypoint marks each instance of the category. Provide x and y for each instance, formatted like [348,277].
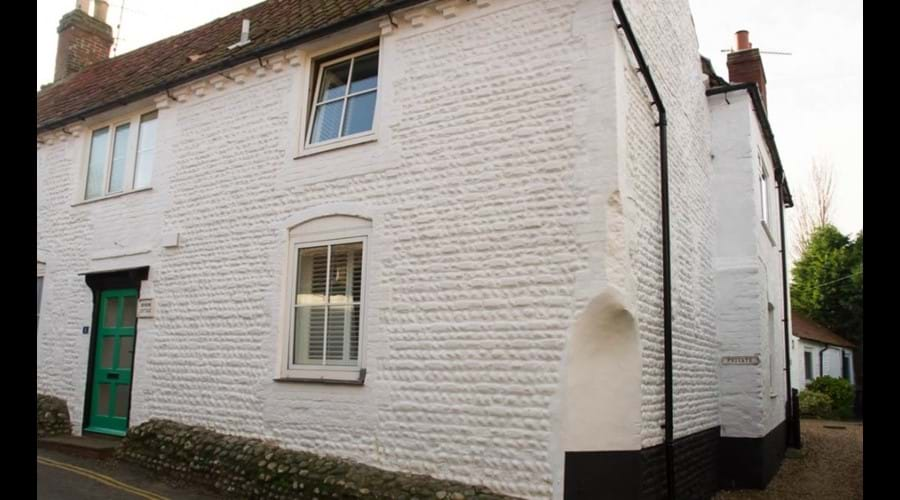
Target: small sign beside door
[740,360]
[145,308]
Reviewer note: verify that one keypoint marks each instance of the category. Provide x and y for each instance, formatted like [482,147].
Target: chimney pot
[743,40]
[745,64]
[100,8]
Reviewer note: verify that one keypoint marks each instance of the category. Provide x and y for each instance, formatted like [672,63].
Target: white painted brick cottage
[423,235]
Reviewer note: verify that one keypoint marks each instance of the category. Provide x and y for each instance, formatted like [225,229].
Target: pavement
[63,476]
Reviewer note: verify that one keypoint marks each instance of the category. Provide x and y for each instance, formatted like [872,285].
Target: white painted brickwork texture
[748,272]
[669,44]
[487,187]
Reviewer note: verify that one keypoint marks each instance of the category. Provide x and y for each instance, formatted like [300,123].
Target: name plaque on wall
[145,308]
[740,360]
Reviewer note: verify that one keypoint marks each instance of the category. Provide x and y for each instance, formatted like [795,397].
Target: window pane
[334,81]
[341,335]
[309,334]
[365,73]
[103,400]
[120,148]
[109,343]
[146,153]
[122,400]
[126,351]
[97,163]
[327,121]
[354,334]
[311,276]
[129,311]
[112,308]
[346,267]
[360,112]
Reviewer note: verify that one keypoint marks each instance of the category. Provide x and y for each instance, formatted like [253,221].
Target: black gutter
[784,200]
[233,61]
[666,244]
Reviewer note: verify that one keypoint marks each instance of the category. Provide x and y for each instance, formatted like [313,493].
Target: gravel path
[830,467]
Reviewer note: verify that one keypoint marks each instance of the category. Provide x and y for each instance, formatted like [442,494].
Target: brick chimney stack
[83,40]
[745,64]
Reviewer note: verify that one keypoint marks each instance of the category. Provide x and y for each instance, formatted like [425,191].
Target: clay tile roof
[806,328]
[274,25]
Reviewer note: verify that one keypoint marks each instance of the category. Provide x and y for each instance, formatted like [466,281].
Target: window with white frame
[326,302]
[345,95]
[121,156]
[763,192]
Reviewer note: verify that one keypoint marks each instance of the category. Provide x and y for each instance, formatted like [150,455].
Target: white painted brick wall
[748,270]
[500,152]
[668,41]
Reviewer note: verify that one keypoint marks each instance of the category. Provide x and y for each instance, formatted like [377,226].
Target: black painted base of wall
[641,474]
[704,463]
[750,463]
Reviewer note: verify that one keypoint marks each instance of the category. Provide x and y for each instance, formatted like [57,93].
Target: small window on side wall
[325,327]
[345,96]
[116,163]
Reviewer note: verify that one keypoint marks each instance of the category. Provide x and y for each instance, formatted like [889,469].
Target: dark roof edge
[763,118]
[847,344]
[246,56]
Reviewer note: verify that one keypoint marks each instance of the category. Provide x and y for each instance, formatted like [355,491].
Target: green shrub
[839,390]
[815,404]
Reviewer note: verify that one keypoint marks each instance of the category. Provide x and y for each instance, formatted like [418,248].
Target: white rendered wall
[495,163]
[748,272]
[830,363]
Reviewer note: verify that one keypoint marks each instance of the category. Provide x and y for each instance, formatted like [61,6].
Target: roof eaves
[227,63]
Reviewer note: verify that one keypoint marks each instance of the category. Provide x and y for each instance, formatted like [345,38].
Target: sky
[814,95]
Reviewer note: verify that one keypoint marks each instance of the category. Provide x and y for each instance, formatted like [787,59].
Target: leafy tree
[827,282]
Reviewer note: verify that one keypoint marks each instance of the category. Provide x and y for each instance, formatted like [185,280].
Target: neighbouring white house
[818,351]
[482,240]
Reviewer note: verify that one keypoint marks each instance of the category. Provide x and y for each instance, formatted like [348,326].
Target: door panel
[113,360]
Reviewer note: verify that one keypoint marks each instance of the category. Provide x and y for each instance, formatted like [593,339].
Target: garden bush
[815,404]
[839,390]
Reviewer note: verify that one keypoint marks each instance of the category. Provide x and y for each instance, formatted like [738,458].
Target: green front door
[113,357]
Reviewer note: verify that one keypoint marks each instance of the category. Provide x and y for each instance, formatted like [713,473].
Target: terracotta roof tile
[806,328]
[152,68]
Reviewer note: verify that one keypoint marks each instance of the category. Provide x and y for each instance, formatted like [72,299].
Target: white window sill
[110,196]
[337,144]
[355,376]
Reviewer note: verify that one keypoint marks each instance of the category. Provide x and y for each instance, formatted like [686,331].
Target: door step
[88,446]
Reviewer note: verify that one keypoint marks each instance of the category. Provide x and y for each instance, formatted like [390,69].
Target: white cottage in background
[423,235]
[818,351]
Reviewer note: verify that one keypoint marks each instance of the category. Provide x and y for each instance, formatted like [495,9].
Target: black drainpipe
[793,440]
[667,274]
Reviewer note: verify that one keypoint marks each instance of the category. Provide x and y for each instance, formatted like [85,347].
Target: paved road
[63,477]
